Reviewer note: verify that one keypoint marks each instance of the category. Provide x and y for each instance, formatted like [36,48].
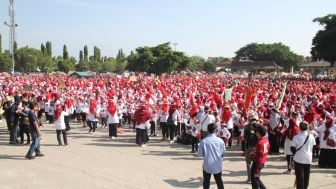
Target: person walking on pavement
[259,156]
[212,149]
[34,131]
[302,148]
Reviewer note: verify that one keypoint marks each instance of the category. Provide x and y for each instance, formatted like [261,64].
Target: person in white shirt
[112,119]
[174,114]
[327,132]
[302,148]
[206,119]
[224,133]
[195,133]
[60,124]
[93,115]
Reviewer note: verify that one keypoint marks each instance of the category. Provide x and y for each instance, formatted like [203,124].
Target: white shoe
[171,142]
[113,137]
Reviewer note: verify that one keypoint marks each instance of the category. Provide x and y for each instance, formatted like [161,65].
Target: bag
[185,139]
[170,120]
[147,125]
[294,150]
[331,142]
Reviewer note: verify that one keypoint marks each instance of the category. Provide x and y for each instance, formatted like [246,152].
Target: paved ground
[93,161]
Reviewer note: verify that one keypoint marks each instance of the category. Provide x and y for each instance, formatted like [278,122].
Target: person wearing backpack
[302,148]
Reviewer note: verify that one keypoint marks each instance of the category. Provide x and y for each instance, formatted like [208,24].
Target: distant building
[255,66]
[316,68]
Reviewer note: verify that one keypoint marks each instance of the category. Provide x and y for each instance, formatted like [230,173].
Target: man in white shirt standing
[302,148]
[207,119]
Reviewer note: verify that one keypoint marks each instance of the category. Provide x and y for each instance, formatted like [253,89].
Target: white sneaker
[113,137]
[171,142]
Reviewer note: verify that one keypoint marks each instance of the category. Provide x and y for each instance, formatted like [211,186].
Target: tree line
[162,58]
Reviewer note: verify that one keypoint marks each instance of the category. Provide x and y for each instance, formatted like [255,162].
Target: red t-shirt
[261,152]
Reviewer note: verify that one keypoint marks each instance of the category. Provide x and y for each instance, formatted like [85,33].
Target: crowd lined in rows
[180,106]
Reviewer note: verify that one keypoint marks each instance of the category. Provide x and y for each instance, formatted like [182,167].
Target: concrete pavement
[94,161]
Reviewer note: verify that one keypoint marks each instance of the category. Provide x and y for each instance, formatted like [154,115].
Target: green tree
[0,44]
[121,61]
[6,62]
[109,65]
[277,52]
[43,49]
[65,65]
[86,53]
[324,42]
[65,52]
[159,59]
[48,48]
[96,54]
[196,63]
[28,59]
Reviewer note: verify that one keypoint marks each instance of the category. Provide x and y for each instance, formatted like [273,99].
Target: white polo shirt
[305,154]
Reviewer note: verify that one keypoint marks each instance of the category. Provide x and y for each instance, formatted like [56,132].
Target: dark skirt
[327,158]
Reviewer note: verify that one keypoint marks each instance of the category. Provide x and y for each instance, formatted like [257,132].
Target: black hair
[261,130]
[212,128]
[32,105]
[303,125]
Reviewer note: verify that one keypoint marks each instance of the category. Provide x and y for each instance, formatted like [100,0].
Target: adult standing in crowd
[142,117]
[212,149]
[291,130]
[206,119]
[273,132]
[327,133]
[14,120]
[259,157]
[93,115]
[302,148]
[172,125]
[250,141]
[112,118]
[34,131]
[60,124]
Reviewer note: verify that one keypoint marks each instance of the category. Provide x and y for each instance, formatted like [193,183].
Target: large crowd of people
[177,105]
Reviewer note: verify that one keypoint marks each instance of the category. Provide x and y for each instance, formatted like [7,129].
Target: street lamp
[12,27]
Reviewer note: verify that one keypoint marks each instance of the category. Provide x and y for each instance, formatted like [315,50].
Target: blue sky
[200,27]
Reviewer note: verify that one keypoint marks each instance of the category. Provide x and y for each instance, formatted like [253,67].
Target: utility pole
[12,27]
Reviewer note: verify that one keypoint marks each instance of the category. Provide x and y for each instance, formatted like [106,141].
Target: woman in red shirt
[259,157]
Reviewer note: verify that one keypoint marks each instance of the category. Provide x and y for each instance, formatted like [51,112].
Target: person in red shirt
[259,157]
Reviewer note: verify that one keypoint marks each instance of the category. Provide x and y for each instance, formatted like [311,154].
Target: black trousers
[152,128]
[165,131]
[218,179]
[172,129]
[302,172]
[230,139]
[274,142]
[327,158]
[65,138]
[113,129]
[67,122]
[24,130]
[92,126]
[194,143]
[141,136]
[256,182]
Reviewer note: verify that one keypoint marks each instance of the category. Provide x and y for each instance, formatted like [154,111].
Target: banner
[228,94]
[282,95]
[27,88]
